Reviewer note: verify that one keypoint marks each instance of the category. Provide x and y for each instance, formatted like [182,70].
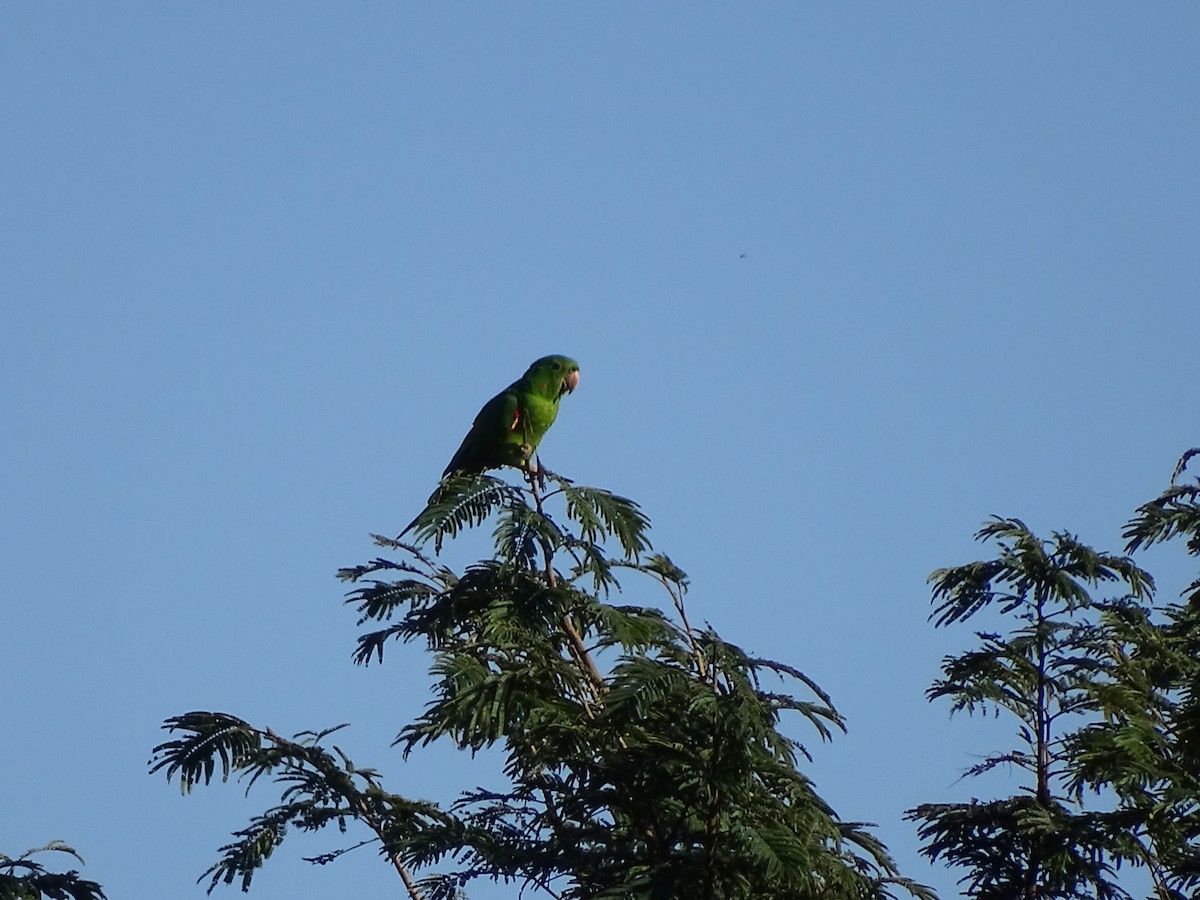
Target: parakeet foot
[542,473]
[536,476]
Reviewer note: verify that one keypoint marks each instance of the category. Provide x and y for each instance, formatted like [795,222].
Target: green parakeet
[510,426]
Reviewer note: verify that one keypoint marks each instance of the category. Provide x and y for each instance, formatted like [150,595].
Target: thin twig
[360,805]
[578,649]
[677,599]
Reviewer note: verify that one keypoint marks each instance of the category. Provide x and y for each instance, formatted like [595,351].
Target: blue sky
[843,279]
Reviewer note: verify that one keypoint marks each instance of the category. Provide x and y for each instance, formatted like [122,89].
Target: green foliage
[600,513]
[1106,693]
[23,878]
[1076,854]
[319,787]
[1174,513]
[1029,572]
[1148,749]
[1047,672]
[460,502]
[643,758]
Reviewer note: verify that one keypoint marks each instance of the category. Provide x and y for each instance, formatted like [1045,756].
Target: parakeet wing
[484,444]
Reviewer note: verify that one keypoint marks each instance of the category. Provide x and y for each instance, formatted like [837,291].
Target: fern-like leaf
[210,737]
[521,534]
[460,502]
[22,878]
[601,514]
[380,599]
[253,846]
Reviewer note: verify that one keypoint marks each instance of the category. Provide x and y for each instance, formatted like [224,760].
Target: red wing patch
[516,420]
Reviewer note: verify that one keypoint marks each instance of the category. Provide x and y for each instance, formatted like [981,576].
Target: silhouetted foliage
[644,758]
[1105,694]
[23,878]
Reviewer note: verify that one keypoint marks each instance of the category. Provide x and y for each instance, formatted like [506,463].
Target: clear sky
[843,279]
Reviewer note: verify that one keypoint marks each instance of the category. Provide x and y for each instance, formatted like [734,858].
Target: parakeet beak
[570,383]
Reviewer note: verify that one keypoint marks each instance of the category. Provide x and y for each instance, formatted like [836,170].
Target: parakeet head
[553,376]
